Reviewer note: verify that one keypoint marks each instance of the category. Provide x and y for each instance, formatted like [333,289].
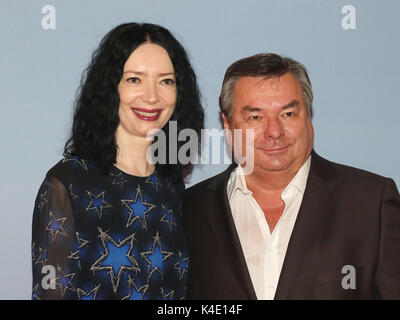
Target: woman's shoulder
[169,184]
[71,167]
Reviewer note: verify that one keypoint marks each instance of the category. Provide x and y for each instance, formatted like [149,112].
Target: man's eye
[133,80]
[289,114]
[168,81]
[255,117]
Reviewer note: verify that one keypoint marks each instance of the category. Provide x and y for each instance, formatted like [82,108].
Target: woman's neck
[131,154]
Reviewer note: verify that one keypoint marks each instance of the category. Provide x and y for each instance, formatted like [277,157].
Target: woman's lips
[147,114]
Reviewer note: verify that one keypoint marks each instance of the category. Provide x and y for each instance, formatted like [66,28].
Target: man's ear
[224,120]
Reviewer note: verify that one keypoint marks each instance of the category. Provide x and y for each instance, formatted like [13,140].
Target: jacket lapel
[317,203]
[229,234]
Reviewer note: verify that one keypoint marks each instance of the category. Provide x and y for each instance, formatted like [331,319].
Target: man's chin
[274,167]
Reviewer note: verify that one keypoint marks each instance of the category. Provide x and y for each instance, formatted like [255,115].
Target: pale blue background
[354,75]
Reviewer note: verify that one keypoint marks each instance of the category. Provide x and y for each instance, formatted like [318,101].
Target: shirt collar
[238,182]
[299,181]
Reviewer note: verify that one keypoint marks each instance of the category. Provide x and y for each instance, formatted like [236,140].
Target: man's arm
[387,277]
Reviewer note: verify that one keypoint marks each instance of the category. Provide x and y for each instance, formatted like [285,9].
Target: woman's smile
[147,114]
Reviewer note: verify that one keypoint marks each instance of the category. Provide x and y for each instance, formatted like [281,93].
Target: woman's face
[147,90]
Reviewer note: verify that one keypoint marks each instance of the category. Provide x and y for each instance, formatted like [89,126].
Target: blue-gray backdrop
[351,55]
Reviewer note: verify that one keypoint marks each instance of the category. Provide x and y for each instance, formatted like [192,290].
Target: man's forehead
[259,82]
[268,83]
[255,87]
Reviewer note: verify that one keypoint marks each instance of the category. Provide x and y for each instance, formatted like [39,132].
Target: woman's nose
[150,93]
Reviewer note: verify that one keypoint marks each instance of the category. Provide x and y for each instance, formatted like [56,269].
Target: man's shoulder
[204,198]
[209,184]
[350,176]
[354,172]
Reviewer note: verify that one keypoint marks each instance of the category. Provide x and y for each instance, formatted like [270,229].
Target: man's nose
[273,129]
[150,93]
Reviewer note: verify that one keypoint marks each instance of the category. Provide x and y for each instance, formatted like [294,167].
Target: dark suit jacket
[347,217]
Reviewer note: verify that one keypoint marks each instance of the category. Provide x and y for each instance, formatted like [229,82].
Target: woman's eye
[133,80]
[168,81]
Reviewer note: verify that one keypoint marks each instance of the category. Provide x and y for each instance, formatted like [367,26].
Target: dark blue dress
[113,236]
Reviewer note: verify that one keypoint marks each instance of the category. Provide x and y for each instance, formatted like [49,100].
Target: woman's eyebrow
[163,74]
[133,71]
[166,74]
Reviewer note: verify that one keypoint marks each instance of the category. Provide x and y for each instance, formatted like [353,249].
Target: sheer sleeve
[54,265]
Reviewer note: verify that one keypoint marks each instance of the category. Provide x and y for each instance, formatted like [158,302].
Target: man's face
[274,108]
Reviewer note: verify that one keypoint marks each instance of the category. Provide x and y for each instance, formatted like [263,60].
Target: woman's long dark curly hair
[97,101]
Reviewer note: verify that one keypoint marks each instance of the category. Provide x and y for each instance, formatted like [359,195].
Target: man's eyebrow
[292,104]
[251,109]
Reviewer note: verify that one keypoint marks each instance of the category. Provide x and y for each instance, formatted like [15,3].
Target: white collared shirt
[265,251]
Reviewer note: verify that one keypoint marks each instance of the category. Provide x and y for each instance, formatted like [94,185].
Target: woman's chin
[147,131]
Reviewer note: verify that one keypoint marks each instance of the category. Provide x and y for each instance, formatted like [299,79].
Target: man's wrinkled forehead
[256,85]
[252,88]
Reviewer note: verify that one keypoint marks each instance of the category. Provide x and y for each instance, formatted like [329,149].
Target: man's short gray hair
[267,65]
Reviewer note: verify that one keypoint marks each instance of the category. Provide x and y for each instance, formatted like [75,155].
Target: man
[298,226]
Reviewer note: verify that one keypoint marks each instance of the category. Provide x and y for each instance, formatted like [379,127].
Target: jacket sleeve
[388,269]
[54,264]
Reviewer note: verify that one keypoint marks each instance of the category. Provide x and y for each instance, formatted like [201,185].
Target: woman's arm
[54,263]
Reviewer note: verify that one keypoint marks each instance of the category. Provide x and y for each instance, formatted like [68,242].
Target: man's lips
[147,114]
[274,150]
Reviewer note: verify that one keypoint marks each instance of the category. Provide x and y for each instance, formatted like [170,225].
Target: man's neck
[270,181]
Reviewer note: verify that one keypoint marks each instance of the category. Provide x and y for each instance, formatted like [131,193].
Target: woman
[107,222]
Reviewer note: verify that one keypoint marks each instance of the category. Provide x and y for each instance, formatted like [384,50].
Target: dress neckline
[115,168]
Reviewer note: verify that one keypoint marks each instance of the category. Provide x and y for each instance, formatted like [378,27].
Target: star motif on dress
[82,242]
[135,293]
[64,281]
[138,209]
[155,257]
[72,195]
[153,179]
[75,254]
[35,290]
[55,227]
[88,295]
[81,162]
[182,265]
[118,179]
[167,296]
[43,199]
[42,258]
[97,203]
[117,258]
[168,217]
